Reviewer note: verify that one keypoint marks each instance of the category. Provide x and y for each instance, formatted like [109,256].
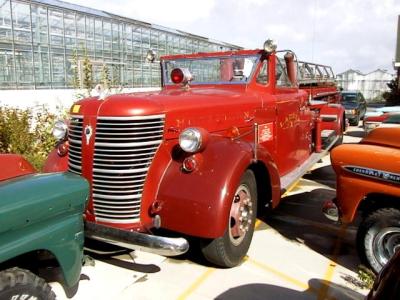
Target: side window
[262,77]
[281,75]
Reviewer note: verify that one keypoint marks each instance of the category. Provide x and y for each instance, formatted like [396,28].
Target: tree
[105,77]
[75,70]
[87,80]
[392,97]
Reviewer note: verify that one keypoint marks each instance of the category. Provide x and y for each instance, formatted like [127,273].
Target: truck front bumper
[137,241]
[330,210]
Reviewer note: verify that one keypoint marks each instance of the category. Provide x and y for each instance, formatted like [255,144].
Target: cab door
[293,122]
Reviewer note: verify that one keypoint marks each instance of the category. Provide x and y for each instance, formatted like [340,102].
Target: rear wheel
[229,250]
[378,237]
[20,284]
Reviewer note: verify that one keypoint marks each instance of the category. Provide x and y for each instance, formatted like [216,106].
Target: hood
[200,106]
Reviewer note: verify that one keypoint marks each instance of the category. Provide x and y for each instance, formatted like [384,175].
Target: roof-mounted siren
[270,46]
[181,76]
[151,56]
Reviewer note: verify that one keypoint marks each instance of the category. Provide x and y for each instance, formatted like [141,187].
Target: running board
[289,179]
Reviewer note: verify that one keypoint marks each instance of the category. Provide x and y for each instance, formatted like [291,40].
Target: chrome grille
[124,149]
[75,147]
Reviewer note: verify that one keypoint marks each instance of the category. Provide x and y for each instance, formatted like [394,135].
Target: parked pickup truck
[40,219]
[222,141]
[368,184]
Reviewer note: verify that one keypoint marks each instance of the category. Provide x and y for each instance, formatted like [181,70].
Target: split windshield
[214,70]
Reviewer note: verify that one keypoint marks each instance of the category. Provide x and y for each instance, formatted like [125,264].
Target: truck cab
[225,137]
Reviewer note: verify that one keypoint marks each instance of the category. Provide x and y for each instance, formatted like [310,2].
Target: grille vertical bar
[75,144]
[124,150]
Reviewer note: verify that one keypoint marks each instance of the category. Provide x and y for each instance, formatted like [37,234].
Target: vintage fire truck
[225,137]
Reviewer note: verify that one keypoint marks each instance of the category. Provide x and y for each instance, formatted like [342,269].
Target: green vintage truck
[41,225]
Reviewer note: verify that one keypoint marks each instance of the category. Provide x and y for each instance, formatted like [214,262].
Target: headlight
[192,139]
[60,130]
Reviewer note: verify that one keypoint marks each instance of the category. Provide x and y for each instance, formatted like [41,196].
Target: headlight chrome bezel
[192,140]
[60,130]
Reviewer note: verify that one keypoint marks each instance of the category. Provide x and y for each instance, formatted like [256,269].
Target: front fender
[44,212]
[55,162]
[198,203]
[359,176]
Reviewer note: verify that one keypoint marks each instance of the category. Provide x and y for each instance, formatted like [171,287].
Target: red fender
[14,165]
[198,203]
[55,162]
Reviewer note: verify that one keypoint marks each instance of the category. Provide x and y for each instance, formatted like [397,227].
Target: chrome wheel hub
[241,215]
[385,244]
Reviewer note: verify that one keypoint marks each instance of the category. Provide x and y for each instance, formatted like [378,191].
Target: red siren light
[181,75]
[177,75]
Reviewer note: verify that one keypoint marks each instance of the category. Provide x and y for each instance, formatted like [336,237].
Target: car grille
[124,150]
[75,144]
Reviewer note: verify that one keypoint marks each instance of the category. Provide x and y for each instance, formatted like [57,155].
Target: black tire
[355,122]
[18,284]
[378,237]
[229,250]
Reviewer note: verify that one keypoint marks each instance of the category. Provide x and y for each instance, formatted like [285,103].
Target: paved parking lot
[295,254]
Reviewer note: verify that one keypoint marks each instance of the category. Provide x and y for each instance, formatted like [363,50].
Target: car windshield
[214,70]
[349,98]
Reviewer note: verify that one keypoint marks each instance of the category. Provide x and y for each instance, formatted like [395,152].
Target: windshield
[350,99]
[214,70]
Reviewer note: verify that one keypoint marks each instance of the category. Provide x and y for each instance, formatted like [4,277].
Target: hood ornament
[88,133]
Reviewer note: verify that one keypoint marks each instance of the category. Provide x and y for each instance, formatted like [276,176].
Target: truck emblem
[372,173]
[88,133]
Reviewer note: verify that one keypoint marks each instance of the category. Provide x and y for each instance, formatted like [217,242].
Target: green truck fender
[44,212]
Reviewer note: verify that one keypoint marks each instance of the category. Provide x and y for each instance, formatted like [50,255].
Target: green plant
[87,78]
[366,276]
[392,97]
[105,77]
[27,132]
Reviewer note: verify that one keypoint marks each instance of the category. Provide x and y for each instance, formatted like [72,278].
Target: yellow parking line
[257,224]
[290,188]
[196,284]
[287,278]
[323,291]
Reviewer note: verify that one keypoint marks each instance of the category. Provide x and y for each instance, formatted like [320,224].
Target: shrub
[27,132]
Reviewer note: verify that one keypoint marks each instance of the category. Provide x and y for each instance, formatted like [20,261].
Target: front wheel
[229,250]
[378,237]
[19,284]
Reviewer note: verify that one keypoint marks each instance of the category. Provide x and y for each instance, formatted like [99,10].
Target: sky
[356,34]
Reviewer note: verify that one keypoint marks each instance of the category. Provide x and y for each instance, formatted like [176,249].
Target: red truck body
[14,165]
[128,146]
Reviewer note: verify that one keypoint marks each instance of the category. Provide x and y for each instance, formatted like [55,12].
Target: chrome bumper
[137,241]
[331,211]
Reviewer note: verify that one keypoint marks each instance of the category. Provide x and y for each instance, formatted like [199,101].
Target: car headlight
[60,130]
[192,139]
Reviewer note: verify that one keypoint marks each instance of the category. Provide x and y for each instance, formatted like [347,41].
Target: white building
[372,84]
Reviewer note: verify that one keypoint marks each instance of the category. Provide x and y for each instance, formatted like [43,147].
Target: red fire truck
[225,137]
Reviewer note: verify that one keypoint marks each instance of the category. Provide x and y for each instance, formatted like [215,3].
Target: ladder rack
[310,73]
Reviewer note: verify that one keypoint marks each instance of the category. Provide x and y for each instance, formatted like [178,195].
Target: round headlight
[190,140]
[60,130]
